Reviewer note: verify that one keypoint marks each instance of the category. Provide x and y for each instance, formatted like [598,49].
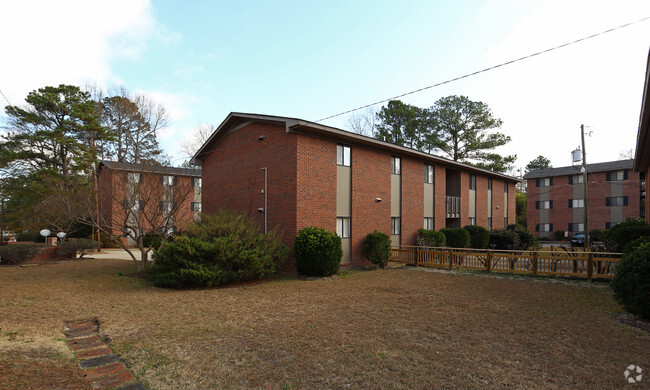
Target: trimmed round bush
[479,237]
[430,238]
[619,236]
[456,237]
[558,235]
[220,249]
[631,282]
[526,239]
[76,246]
[318,252]
[378,248]
[503,239]
[17,253]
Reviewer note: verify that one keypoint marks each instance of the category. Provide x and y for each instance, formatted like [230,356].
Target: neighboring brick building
[344,182]
[135,196]
[556,197]
[642,157]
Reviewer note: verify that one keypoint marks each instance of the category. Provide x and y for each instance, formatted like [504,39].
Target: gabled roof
[237,119]
[130,167]
[575,170]
[641,159]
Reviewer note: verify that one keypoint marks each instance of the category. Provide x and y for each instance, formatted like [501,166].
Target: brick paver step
[85,340]
[113,380]
[133,386]
[82,347]
[105,370]
[99,361]
[91,353]
[72,333]
[81,324]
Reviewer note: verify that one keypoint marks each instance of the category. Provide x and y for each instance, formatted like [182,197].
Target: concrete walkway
[111,253]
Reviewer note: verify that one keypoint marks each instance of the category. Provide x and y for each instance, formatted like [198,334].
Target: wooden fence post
[535,264]
[417,256]
[451,259]
[590,266]
[488,262]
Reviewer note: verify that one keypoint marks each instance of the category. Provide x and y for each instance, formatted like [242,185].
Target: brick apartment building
[642,156]
[556,197]
[136,196]
[288,174]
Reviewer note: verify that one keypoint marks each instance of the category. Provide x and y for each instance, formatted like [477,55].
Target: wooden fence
[550,263]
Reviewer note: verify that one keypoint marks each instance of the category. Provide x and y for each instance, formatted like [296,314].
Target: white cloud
[69,41]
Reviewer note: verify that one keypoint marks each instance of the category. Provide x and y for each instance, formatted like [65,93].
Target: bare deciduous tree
[199,135]
[362,122]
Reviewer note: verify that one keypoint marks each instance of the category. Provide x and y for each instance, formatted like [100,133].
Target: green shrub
[318,252]
[526,239]
[456,237]
[504,239]
[18,253]
[479,237]
[558,235]
[378,248]
[430,238]
[80,246]
[201,258]
[29,236]
[596,235]
[631,283]
[619,236]
[152,240]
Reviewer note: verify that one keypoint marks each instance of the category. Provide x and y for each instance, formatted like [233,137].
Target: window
[343,227]
[577,227]
[395,165]
[472,182]
[576,179]
[168,180]
[616,201]
[543,204]
[472,220]
[489,184]
[343,155]
[136,205]
[428,223]
[166,206]
[133,177]
[616,175]
[545,182]
[576,203]
[196,206]
[544,227]
[489,225]
[428,174]
[196,182]
[395,226]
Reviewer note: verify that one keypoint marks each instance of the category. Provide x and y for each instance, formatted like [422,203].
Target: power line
[3,95]
[488,69]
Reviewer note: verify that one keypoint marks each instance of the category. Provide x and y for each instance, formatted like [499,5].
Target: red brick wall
[464,199]
[233,177]
[498,199]
[370,180]
[316,183]
[412,199]
[512,203]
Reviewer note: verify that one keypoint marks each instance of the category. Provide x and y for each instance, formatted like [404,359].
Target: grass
[395,328]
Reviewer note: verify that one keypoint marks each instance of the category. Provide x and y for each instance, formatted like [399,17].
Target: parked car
[578,240]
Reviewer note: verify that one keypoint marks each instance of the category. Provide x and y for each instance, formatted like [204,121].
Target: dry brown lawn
[397,328]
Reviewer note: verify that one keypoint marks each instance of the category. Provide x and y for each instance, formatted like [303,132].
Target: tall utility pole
[584,184]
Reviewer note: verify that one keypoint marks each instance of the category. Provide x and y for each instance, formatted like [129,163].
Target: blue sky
[311,60]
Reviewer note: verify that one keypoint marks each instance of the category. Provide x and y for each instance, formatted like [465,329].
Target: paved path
[101,365]
[111,253]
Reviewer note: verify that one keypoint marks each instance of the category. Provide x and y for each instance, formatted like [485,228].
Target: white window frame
[472,221]
[133,177]
[429,223]
[343,227]
[577,203]
[196,206]
[544,205]
[544,228]
[395,226]
[168,180]
[166,205]
[197,182]
[395,165]
[545,182]
[343,155]
[428,174]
